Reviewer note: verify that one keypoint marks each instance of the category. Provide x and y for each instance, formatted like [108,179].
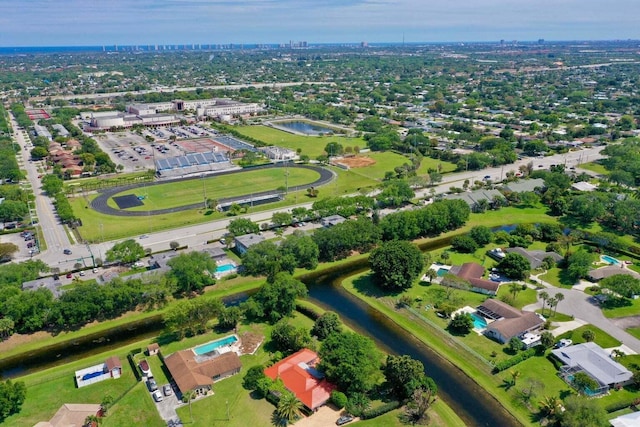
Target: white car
[157,396]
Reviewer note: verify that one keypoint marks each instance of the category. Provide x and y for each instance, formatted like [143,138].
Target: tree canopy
[126,252]
[242,226]
[515,266]
[276,299]
[396,264]
[192,271]
[351,361]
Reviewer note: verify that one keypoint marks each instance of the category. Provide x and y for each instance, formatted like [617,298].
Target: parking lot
[25,243]
[134,152]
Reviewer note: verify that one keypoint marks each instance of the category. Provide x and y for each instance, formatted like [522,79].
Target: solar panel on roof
[209,157]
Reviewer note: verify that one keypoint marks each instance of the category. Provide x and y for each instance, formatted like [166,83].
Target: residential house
[243,243]
[330,221]
[583,186]
[299,374]
[535,258]
[71,415]
[524,185]
[627,420]
[598,274]
[591,359]
[198,373]
[473,198]
[508,321]
[472,273]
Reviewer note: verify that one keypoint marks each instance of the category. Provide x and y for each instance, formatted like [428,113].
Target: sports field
[174,194]
[312,146]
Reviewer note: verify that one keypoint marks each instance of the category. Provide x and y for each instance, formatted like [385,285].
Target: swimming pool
[478,322]
[225,268]
[442,271]
[214,345]
[610,260]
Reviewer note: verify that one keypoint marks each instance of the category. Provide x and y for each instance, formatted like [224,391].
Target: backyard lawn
[630,310]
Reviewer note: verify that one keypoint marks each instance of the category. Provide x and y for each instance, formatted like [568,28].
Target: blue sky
[98,22]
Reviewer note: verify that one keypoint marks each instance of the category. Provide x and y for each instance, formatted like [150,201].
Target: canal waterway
[469,401]
[472,403]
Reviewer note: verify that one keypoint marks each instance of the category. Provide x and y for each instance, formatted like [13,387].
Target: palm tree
[188,396]
[514,376]
[544,296]
[552,303]
[551,406]
[431,274]
[289,407]
[559,297]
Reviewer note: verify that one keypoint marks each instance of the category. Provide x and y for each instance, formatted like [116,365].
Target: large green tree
[192,271]
[126,252]
[325,325]
[515,266]
[267,259]
[12,395]
[583,412]
[276,299]
[242,226]
[351,361]
[404,375]
[396,264]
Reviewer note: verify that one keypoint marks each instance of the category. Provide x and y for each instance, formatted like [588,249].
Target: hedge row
[380,410]
[520,357]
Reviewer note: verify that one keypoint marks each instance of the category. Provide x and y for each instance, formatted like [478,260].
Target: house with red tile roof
[299,374]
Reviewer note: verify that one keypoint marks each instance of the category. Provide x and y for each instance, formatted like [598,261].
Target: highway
[176,89]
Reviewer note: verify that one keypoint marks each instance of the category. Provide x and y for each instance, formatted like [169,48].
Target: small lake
[305,127]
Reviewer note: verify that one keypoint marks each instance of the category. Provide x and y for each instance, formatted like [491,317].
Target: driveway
[325,416]
[582,306]
[167,408]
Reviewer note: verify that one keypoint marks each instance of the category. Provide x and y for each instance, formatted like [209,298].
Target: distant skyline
[144,22]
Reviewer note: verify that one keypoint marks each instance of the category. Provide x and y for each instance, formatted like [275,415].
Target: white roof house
[594,361]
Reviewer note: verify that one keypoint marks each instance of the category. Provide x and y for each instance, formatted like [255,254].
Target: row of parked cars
[152,385]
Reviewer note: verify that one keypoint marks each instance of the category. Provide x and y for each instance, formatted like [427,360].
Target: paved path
[584,308]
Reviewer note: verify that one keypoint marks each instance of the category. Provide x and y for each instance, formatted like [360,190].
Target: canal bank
[474,404]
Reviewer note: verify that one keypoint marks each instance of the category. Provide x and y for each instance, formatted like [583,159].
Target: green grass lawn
[558,277]
[174,194]
[428,163]
[630,310]
[313,146]
[594,167]
[523,297]
[634,331]
[603,339]
[48,390]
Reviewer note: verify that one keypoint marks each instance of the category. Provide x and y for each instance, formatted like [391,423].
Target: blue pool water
[610,260]
[211,346]
[478,322]
[442,271]
[91,375]
[224,268]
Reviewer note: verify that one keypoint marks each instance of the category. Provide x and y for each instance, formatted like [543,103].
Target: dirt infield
[356,162]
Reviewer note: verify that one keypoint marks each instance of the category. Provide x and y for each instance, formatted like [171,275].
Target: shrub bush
[339,399]
[380,410]
[521,357]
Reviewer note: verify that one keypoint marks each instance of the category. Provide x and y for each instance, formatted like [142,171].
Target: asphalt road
[582,306]
[54,233]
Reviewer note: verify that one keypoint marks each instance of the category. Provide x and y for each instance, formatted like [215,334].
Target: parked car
[344,419]
[152,384]
[563,343]
[67,251]
[69,275]
[167,390]
[157,396]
